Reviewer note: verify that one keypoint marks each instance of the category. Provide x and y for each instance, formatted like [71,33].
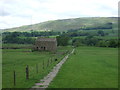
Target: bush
[102,43]
[113,43]
[63,40]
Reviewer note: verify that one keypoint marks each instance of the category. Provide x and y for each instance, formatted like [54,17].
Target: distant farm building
[46,44]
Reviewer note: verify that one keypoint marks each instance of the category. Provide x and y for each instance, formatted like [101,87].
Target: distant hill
[70,24]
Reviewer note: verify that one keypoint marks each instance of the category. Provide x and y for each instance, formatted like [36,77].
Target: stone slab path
[47,79]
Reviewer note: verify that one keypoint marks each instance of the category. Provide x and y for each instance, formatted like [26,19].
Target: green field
[89,67]
[104,37]
[17,59]
[17,46]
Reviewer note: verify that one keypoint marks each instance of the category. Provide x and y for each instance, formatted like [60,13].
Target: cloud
[15,13]
[4,13]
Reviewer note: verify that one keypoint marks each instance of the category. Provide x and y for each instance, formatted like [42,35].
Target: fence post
[27,72]
[51,60]
[48,63]
[43,64]
[14,75]
[36,68]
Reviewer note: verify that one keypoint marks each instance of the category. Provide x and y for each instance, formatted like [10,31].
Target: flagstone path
[47,79]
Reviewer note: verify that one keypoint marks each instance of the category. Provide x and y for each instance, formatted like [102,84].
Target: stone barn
[46,44]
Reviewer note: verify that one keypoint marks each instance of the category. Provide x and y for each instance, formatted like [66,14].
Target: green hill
[70,24]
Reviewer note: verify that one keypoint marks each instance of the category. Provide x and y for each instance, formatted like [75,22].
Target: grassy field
[100,37]
[89,67]
[17,46]
[17,59]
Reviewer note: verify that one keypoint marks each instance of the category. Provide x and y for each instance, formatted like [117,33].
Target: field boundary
[44,83]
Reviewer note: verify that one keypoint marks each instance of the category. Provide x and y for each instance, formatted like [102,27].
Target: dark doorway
[44,48]
[37,48]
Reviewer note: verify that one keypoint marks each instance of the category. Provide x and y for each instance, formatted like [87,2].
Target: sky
[15,13]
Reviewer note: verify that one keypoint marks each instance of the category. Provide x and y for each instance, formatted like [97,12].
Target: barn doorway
[37,48]
[44,48]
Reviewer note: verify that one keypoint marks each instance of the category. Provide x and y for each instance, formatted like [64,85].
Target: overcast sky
[14,13]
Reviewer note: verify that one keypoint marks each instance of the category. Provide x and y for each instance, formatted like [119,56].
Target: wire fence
[30,72]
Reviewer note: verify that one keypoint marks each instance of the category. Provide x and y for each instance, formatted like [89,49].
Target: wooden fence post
[27,72]
[43,64]
[51,60]
[14,75]
[48,63]
[36,68]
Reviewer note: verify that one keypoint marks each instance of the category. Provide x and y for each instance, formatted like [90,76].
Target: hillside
[70,24]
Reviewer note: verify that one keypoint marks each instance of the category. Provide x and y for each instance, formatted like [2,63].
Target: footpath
[44,83]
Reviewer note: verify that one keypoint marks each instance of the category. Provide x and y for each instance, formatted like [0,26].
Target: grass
[89,67]
[17,46]
[99,37]
[17,59]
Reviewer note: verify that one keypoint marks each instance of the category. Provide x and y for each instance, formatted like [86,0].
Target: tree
[102,43]
[101,33]
[77,42]
[62,40]
[91,41]
[113,43]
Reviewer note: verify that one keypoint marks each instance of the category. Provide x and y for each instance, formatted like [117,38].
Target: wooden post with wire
[27,72]
[14,76]
[36,68]
[43,65]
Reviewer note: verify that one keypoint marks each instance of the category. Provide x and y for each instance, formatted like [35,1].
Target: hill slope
[68,24]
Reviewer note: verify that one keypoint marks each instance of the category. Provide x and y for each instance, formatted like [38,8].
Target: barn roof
[46,39]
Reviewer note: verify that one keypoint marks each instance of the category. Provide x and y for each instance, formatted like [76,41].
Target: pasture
[89,67]
[17,60]
[17,46]
[104,37]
